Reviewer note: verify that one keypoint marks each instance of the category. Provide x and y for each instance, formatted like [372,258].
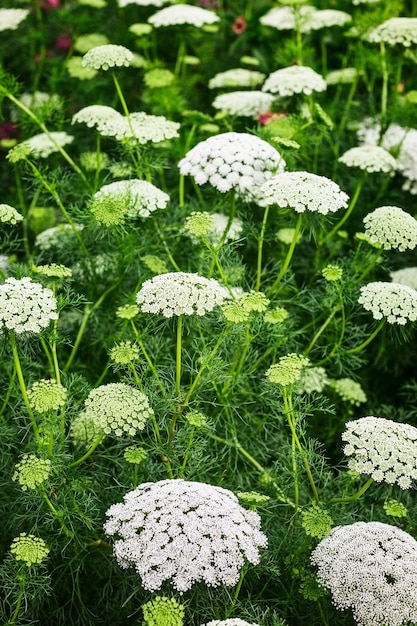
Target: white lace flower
[46,395]
[231,621]
[287,18]
[371,568]
[405,276]
[184,532]
[219,226]
[346,75]
[26,306]
[10,19]
[118,408]
[369,159]
[401,30]
[9,215]
[39,102]
[183,14]
[327,18]
[294,79]
[180,293]
[43,145]
[236,77]
[312,379]
[232,161]
[56,236]
[244,103]
[303,191]
[140,127]
[95,115]
[382,449]
[392,228]
[349,390]
[141,197]
[107,56]
[396,302]
[143,3]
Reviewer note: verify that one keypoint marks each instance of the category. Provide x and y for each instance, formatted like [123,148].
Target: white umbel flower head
[10,19]
[396,302]
[232,161]
[287,17]
[140,127]
[43,145]
[396,30]
[392,228]
[231,621]
[344,76]
[328,18]
[180,293]
[9,215]
[143,3]
[405,276]
[369,159]
[142,197]
[184,532]
[179,14]
[26,306]
[371,568]
[294,79]
[303,191]
[95,115]
[236,77]
[106,57]
[384,450]
[244,103]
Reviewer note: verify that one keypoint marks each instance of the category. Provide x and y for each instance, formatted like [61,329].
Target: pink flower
[265,118]
[239,25]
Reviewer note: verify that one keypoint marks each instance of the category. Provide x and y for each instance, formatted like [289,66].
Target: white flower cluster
[26,306]
[9,215]
[371,568]
[232,161]
[184,532]
[303,191]
[55,236]
[43,145]
[401,30]
[139,126]
[391,227]
[219,226]
[294,79]
[405,276]
[383,449]
[183,14]
[236,77]
[349,390]
[396,302]
[231,621]
[106,57]
[345,75]
[39,102]
[117,408]
[142,197]
[143,3]
[286,18]
[327,18]
[11,18]
[369,159]
[244,103]
[95,115]
[180,293]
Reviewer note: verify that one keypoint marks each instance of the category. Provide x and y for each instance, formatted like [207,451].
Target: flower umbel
[162,611]
[288,370]
[26,306]
[29,549]
[9,215]
[106,57]
[46,395]
[31,471]
[391,227]
[396,302]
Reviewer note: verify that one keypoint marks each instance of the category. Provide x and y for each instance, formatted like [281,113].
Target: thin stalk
[288,257]
[357,495]
[164,243]
[136,160]
[147,357]
[320,331]
[181,190]
[368,340]
[178,355]
[8,394]
[13,618]
[349,210]
[89,451]
[22,385]
[343,324]
[385,77]
[236,593]
[215,258]
[187,453]
[260,247]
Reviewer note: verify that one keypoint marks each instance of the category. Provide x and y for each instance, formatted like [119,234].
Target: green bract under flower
[303,191]
[396,302]
[107,56]
[180,293]
[162,611]
[236,77]
[391,227]
[9,215]
[183,14]
[369,159]
[288,370]
[26,306]
[31,471]
[46,395]
[29,549]
[294,79]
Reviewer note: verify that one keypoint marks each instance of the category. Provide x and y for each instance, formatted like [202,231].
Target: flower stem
[260,246]
[355,496]
[348,211]
[368,340]
[22,385]
[89,451]
[288,257]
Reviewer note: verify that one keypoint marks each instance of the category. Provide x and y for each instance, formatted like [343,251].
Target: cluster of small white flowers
[346,75]
[95,115]
[369,159]
[184,532]
[180,293]
[312,379]
[405,276]
[236,77]
[118,408]
[349,390]
[107,56]
[142,197]
[42,145]
[244,103]
[26,306]
[143,3]
[401,30]
[287,18]
[232,161]
[383,449]
[294,79]
[231,621]
[358,2]
[219,226]
[371,568]
[183,14]
[9,215]
[391,227]
[396,302]
[11,18]
[54,236]
[39,102]
[139,126]
[327,18]
[303,191]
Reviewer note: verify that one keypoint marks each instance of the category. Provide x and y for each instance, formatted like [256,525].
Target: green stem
[357,495]
[164,243]
[320,331]
[8,394]
[136,160]
[236,593]
[260,246]
[22,385]
[288,257]
[385,77]
[343,324]
[178,357]
[147,357]
[187,453]
[89,451]
[13,618]
[368,340]
[349,210]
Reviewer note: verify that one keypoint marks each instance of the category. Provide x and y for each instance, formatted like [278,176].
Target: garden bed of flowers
[208,297]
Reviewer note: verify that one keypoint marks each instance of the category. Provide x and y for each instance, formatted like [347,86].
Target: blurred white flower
[396,302]
[391,227]
[140,127]
[294,79]
[396,30]
[43,145]
[369,159]
[10,19]
[183,14]
[236,77]
[95,114]
[244,103]
[287,17]
[9,215]
[141,197]
[405,276]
